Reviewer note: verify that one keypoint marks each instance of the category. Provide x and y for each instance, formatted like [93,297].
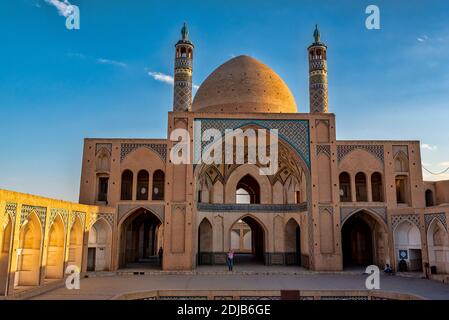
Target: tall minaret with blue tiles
[318,75]
[182,98]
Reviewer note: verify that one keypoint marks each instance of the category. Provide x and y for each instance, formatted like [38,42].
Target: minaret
[182,98]
[318,75]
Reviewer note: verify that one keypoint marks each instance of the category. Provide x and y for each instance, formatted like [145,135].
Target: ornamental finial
[185,32]
[316,34]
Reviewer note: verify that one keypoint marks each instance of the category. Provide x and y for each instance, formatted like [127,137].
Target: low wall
[265,295]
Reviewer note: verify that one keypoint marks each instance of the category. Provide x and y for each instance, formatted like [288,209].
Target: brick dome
[244,84]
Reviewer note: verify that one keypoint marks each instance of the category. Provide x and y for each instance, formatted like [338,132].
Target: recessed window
[127,185]
[360,187]
[158,185]
[143,179]
[345,187]
[248,191]
[103,183]
[376,187]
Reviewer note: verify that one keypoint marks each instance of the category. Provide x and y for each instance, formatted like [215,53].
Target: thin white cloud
[64,7]
[429,147]
[112,62]
[165,78]
[81,56]
[444,164]
[423,38]
[161,77]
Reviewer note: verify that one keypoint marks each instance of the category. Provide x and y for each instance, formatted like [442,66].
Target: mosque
[331,204]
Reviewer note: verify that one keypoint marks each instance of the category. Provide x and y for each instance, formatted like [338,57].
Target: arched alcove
[205,239]
[140,238]
[240,244]
[5,256]
[99,246]
[29,260]
[438,247]
[292,243]
[248,190]
[55,250]
[407,238]
[76,244]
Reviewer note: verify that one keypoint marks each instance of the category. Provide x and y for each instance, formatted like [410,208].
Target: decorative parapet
[209,207]
[19,206]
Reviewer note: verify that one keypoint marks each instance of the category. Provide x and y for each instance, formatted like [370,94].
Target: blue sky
[58,86]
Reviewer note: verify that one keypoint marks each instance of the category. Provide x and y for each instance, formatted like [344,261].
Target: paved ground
[212,278]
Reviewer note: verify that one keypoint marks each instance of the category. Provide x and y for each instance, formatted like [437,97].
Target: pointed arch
[438,247]
[292,242]
[99,246]
[205,242]
[30,247]
[76,243]
[258,236]
[364,239]
[5,250]
[408,247]
[401,162]
[262,189]
[250,188]
[103,160]
[288,155]
[204,189]
[140,237]
[55,250]
[293,190]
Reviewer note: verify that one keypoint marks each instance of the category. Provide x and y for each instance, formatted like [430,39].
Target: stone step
[212,273]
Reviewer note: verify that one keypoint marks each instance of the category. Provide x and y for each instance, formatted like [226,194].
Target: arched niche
[407,237]
[99,246]
[55,250]
[30,246]
[438,247]
[253,171]
[76,244]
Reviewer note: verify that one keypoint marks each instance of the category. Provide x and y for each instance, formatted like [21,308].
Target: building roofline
[378,141]
[127,139]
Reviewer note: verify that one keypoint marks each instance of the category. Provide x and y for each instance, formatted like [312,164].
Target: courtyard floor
[109,285]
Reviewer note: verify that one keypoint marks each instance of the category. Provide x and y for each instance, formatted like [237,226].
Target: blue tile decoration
[295,132]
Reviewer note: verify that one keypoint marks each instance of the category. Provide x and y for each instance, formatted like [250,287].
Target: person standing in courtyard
[160,254]
[230,260]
